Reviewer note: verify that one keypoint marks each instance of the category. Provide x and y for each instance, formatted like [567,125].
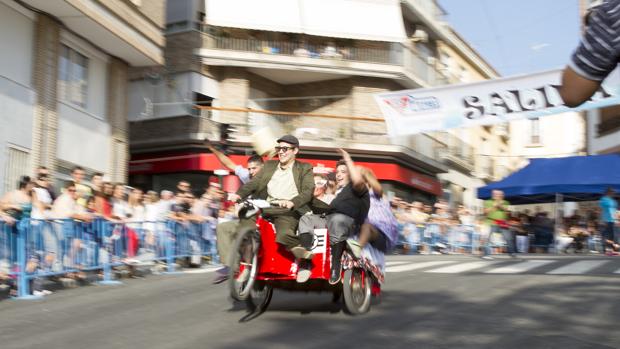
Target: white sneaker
[487,257]
[303,275]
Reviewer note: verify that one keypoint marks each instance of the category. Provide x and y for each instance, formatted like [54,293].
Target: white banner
[483,103]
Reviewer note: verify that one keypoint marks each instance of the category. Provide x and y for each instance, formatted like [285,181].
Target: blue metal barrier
[33,249]
[447,238]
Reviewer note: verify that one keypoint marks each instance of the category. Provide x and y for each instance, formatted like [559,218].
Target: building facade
[299,72]
[64,72]
[603,130]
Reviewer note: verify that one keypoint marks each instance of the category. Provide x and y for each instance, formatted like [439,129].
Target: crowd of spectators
[423,227]
[432,229]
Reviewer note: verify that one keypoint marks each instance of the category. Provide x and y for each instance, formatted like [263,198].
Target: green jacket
[304,181]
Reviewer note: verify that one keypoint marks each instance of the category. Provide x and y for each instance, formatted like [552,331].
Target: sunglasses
[71,190]
[284,149]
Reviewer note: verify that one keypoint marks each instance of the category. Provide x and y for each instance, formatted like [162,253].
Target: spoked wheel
[356,287]
[259,298]
[243,264]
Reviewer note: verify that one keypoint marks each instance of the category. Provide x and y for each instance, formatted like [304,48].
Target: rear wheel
[259,297]
[356,288]
[243,264]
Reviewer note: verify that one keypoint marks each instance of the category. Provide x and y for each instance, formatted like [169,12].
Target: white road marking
[395,263]
[579,267]
[519,267]
[459,268]
[414,266]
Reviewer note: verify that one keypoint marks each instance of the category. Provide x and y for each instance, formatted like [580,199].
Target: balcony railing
[289,48]
[456,149]
[393,54]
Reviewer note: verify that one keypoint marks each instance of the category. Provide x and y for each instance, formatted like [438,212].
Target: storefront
[163,172]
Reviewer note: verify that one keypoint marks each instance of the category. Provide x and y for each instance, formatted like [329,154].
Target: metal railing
[421,68]
[432,238]
[31,249]
[456,147]
[289,48]
[394,54]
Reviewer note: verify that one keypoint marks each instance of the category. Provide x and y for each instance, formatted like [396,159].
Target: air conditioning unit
[419,36]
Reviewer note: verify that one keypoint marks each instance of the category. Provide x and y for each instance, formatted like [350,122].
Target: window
[535,131]
[463,74]
[17,166]
[73,76]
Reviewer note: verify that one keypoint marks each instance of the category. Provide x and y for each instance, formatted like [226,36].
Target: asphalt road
[452,304]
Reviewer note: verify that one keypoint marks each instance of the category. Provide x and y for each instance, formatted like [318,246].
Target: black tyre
[259,298]
[356,288]
[243,264]
[336,296]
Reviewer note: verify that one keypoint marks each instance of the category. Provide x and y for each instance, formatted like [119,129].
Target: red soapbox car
[258,265]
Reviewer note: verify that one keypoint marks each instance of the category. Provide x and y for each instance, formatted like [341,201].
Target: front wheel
[356,289]
[243,264]
[259,298]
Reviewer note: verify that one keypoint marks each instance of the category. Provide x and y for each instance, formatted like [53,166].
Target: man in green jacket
[287,184]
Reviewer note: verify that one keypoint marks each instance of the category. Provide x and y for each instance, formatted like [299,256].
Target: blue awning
[577,178]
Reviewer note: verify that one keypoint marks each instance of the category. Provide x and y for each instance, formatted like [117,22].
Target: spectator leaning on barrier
[596,56]
[135,206]
[18,203]
[496,211]
[166,200]
[609,208]
[96,182]
[103,200]
[184,186]
[120,209]
[83,190]
[42,171]
[66,206]
[42,202]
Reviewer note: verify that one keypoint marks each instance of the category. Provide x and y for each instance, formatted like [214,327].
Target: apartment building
[308,67]
[64,71]
[603,130]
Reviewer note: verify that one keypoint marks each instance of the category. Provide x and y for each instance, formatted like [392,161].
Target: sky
[517,36]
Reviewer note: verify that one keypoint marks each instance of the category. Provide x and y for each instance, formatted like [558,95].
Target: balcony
[320,57]
[114,26]
[176,131]
[428,8]
[321,133]
[486,169]
[455,153]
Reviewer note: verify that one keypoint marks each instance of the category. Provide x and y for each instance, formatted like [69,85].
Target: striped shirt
[599,51]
